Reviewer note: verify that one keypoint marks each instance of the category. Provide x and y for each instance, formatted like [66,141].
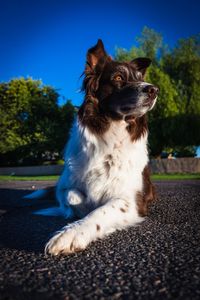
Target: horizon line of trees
[34,127]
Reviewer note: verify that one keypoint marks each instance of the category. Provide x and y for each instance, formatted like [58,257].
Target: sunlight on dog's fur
[105,182]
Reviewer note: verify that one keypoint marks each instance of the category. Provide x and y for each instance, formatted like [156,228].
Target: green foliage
[125,55]
[33,127]
[188,151]
[166,105]
[151,43]
[175,120]
[183,65]
[177,132]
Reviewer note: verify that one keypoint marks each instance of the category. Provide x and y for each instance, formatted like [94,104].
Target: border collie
[105,182]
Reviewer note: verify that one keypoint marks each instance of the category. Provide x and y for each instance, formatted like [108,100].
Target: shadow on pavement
[20,229]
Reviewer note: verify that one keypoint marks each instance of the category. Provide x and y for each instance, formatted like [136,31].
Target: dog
[106,181]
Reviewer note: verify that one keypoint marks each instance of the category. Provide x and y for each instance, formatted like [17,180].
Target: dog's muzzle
[134,99]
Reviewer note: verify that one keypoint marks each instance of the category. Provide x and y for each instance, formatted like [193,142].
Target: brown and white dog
[105,182]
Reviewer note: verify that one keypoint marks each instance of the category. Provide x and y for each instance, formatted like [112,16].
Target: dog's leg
[145,199]
[73,205]
[78,202]
[63,209]
[115,214]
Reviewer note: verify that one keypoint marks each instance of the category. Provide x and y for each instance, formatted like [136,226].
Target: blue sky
[48,39]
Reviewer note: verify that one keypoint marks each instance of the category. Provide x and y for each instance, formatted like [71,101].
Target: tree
[151,44]
[183,65]
[32,125]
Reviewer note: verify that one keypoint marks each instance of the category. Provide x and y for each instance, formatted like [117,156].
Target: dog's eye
[118,78]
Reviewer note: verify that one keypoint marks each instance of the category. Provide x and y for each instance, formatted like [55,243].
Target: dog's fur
[106,182]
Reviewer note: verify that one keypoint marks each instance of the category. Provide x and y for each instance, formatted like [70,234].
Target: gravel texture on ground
[159,259]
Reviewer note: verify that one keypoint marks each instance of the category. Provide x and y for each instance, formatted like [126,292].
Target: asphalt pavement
[159,259]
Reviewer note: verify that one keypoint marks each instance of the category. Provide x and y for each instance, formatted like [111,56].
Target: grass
[175,176]
[55,177]
[28,178]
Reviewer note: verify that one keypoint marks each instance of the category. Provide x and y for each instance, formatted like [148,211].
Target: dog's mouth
[138,109]
[150,102]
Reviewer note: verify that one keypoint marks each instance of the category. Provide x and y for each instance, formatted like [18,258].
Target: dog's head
[118,88]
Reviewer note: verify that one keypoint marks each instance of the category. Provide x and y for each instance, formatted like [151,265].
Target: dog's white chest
[114,164]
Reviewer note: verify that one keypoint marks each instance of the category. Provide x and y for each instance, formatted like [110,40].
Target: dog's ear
[141,64]
[96,59]
[96,56]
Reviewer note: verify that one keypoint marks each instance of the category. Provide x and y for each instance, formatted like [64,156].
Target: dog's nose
[151,90]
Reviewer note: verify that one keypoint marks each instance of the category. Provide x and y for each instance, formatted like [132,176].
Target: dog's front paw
[69,240]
